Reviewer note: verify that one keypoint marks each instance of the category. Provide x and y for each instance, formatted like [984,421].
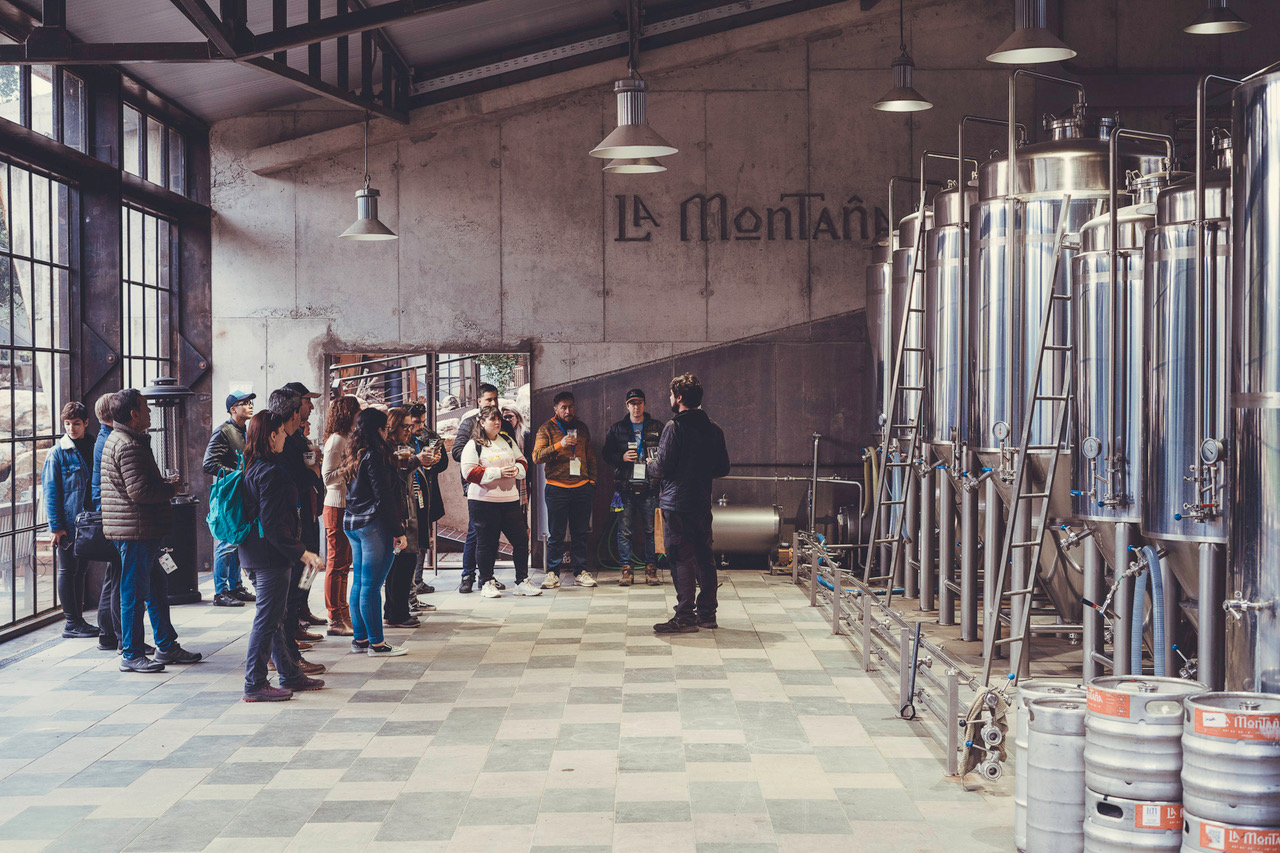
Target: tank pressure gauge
[1210,451]
[1091,448]
[1000,430]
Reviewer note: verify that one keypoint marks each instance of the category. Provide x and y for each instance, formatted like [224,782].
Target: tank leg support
[927,538]
[1211,643]
[969,565]
[1092,620]
[946,550]
[991,556]
[1122,603]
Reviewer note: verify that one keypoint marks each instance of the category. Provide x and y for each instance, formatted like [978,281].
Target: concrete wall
[510,232]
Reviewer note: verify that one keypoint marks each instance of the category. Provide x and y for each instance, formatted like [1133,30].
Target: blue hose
[1159,641]
[1135,624]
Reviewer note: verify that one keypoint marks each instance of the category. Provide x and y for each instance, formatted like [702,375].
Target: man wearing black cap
[221,457]
[627,447]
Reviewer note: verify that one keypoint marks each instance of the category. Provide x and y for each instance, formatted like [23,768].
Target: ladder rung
[1062,296]
[879,579]
[1030,544]
[913,349]
[888,541]
[1034,496]
[1014,592]
[893,503]
[1058,347]
[1042,447]
[1004,641]
[1052,398]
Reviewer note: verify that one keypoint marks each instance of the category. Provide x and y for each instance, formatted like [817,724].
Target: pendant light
[1031,42]
[902,98]
[1217,19]
[633,139]
[643,166]
[367,225]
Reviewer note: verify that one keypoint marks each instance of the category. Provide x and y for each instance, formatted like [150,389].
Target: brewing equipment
[1231,758]
[1117,825]
[1253,583]
[1027,691]
[1209,836]
[880,332]
[1055,776]
[1133,737]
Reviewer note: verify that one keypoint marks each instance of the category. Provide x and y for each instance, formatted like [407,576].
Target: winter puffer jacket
[135,497]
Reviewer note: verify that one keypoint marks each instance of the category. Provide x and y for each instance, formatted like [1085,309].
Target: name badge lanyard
[575,464]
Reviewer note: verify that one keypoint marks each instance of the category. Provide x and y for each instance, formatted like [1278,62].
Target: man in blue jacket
[691,453]
[67,483]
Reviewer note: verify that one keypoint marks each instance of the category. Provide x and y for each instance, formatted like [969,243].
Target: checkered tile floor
[552,723]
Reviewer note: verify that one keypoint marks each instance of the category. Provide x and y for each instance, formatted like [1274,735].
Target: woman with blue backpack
[268,551]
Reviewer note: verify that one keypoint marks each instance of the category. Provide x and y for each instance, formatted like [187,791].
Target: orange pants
[337,565]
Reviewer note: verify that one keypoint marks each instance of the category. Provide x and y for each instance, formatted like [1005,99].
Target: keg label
[1237,839]
[1108,703]
[1225,724]
[1158,816]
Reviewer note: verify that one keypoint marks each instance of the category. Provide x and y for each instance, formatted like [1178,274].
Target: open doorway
[448,385]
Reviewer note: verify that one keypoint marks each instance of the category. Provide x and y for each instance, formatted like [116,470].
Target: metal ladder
[1022,500]
[895,435]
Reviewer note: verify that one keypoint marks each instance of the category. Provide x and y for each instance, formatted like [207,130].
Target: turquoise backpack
[227,519]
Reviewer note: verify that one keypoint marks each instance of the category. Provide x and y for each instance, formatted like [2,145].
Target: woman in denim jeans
[373,524]
[268,553]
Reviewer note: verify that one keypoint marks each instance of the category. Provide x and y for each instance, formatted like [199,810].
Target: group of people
[373,486]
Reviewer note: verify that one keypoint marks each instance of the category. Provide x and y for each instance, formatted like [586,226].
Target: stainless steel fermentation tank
[880,331]
[1253,582]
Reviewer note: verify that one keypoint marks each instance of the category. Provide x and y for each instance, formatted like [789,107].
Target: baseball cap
[635,394]
[235,398]
[300,389]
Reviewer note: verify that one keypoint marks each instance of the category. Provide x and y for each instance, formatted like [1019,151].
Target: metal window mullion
[57,103]
[24,97]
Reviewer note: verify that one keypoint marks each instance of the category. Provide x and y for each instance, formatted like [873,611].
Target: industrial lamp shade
[633,139]
[1031,43]
[367,225]
[1217,19]
[644,166]
[902,98]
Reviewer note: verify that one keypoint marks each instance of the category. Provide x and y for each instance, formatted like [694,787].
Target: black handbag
[90,544]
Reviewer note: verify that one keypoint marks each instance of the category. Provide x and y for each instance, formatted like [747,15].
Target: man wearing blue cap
[221,457]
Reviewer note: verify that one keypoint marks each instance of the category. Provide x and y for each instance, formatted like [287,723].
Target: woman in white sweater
[337,429]
[492,465]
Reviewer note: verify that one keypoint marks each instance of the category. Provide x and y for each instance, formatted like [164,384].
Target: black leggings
[491,519]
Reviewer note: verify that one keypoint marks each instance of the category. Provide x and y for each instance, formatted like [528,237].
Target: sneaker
[584,578]
[269,694]
[651,575]
[303,684]
[359,647]
[177,654]
[108,645]
[411,622]
[309,668]
[302,635]
[707,623]
[226,599]
[465,586]
[80,631]
[426,608]
[499,584]
[675,626]
[386,650]
[146,650]
[242,594]
[551,581]
[526,587]
[625,578]
[490,590]
[142,664]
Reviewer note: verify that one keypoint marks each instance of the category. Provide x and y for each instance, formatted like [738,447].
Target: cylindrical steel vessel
[1133,740]
[1117,825]
[1055,776]
[1253,640]
[904,267]
[1172,429]
[1208,836]
[1042,688]
[879,327]
[1231,757]
[945,272]
[745,529]
[1107,469]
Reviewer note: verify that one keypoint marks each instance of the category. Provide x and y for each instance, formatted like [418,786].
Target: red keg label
[1108,703]
[1233,726]
[1158,816]
[1238,839]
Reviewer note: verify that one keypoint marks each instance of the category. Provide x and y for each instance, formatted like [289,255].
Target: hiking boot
[177,654]
[226,599]
[302,684]
[651,575]
[584,578]
[675,626]
[625,578]
[142,664]
[268,694]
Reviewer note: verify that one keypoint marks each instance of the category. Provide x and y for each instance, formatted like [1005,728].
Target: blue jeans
[371,557]
[571,508]
[267,637]
[637,514]
[143,583]
[226,567]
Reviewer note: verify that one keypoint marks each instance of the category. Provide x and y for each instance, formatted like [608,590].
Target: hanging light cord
[366,149]
[633,37]
[902,27]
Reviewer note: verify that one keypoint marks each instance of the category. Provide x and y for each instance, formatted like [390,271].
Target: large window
[35,365]
[145,295]
[153,150]
[47,99]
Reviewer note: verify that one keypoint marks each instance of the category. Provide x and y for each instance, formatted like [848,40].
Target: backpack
[227,519]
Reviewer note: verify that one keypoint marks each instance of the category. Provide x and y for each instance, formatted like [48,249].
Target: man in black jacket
[301,458]
[627,447]
[222,457]
[425,497]
[690,455]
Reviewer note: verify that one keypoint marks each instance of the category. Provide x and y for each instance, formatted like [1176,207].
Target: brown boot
[651,575]
[339,627]
[312,619]
[309,668]
[302,635]
[625,579]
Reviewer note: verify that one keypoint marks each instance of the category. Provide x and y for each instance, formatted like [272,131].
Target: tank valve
[1238,606]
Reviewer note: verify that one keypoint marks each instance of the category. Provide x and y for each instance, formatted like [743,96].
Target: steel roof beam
[199,13]
[350,23]
[326,90]
[36,53]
